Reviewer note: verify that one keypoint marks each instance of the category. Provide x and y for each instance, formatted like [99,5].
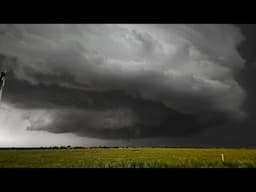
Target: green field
[127,158]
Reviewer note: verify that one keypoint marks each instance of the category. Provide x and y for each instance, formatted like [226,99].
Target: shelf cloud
[119,81]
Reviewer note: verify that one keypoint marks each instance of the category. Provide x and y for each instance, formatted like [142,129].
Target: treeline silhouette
[82,147]
[112,147]
[61,147]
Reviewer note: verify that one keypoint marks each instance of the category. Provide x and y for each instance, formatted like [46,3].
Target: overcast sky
[159,84]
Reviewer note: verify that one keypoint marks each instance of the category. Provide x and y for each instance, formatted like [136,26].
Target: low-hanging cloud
[124,81]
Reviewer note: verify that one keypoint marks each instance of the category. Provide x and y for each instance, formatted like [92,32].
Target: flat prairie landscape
[128,158]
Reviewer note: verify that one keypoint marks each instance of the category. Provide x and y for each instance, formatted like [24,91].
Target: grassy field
[127,158]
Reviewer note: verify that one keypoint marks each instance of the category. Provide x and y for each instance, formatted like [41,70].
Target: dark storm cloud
[123,81]
[108,114]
